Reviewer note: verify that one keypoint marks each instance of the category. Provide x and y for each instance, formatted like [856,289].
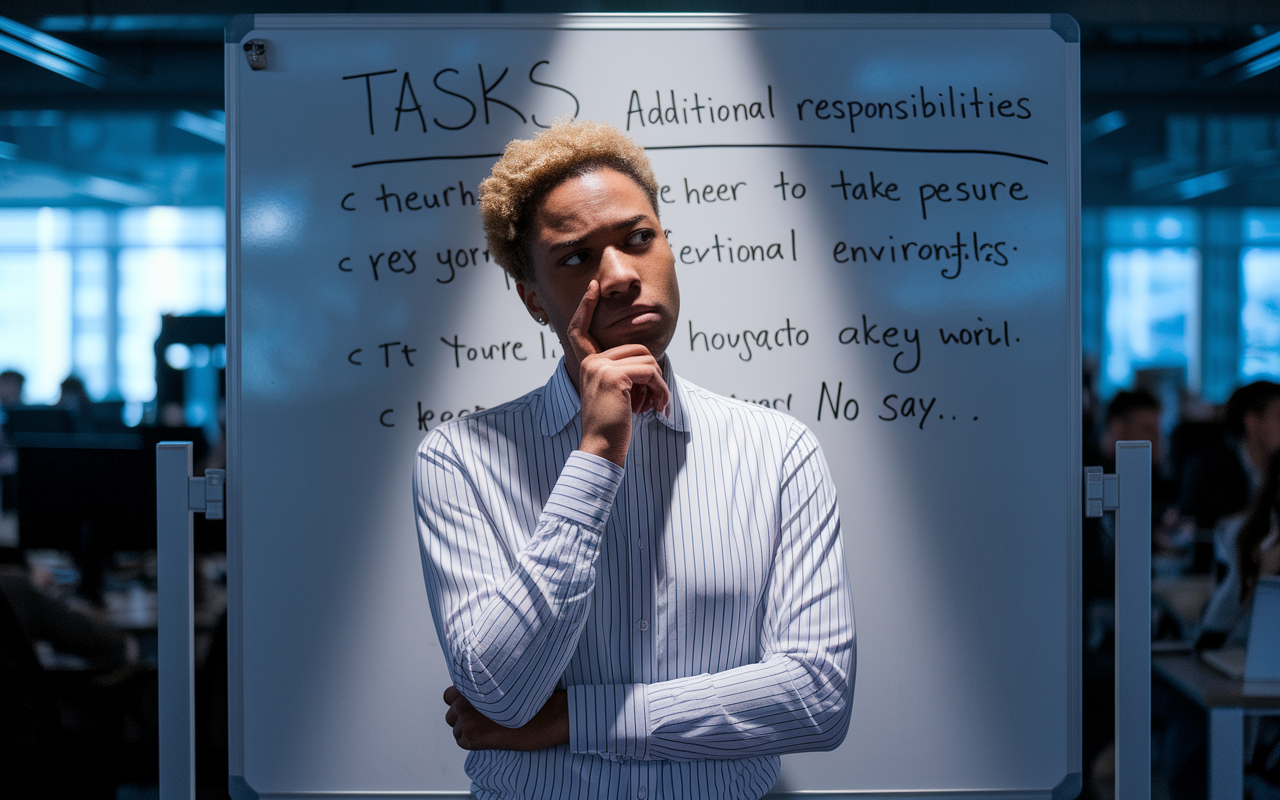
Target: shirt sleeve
[508,617]
[797,697]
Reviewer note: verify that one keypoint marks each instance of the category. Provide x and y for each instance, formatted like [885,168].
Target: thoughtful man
[638,584]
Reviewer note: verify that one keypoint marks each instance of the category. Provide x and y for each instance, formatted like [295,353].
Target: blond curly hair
[530,168]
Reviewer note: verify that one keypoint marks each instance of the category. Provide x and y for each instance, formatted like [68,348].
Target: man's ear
[529,296]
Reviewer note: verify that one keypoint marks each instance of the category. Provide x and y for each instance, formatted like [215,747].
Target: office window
[1260,296]
[82,291]
[35,298]
[1152,294]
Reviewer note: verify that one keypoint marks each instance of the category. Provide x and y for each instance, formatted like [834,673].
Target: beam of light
[51,62]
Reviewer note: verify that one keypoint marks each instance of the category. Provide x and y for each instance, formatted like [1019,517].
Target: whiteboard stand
[177,496]
[1128,493]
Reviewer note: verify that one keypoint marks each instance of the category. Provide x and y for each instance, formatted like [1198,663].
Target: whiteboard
[887,206]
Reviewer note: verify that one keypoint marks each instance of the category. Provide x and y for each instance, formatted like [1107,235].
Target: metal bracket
[1101,492]
[256,51]
[207,494]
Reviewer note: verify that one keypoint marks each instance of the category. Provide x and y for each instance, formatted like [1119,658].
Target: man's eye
[574,259]
[640,237]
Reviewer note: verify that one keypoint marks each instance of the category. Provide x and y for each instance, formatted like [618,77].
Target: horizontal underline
[719,146]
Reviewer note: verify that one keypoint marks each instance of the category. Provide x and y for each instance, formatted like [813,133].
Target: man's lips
[634,315]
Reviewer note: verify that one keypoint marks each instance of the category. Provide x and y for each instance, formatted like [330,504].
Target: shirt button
[642,792]
[644,626]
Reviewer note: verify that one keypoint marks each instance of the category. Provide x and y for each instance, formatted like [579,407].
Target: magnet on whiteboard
[256,51]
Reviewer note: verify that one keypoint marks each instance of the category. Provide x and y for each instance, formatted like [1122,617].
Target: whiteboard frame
[241,25]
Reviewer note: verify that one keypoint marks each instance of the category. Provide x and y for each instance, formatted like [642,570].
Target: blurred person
[1248,544]
[96,721]
[1132,416]
[1222,480]
[1135,416]
[73,396]
[46,618]
[11,382]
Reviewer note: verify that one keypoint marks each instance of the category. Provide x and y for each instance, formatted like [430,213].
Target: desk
[1185,595]
[1227,701]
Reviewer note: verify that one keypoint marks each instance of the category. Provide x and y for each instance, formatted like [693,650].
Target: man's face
[600,226]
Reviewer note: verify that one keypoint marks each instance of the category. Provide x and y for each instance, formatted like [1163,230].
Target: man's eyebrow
[617,226]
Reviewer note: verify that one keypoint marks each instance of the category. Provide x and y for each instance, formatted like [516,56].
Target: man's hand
[474,731]
[612,384]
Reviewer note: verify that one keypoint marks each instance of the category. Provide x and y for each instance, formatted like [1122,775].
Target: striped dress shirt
[694,604]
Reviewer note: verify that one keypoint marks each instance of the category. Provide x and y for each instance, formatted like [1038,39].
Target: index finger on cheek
[580,325]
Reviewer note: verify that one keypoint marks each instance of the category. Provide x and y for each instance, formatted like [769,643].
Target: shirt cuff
[585,491]
[609,720]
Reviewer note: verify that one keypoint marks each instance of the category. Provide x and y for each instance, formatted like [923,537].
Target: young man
[638,584]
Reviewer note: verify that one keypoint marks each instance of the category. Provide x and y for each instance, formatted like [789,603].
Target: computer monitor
[38,419]
[88,495]
[92,495]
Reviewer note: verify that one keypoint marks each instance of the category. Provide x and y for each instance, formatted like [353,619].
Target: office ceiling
[145,126]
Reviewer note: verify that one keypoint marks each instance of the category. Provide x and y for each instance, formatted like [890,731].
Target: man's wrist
[601,447]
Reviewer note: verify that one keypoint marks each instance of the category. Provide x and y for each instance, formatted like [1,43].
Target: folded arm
[797,697]
[509,615]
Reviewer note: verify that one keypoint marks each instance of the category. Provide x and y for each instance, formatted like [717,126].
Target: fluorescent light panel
[200,125]
[56,46]
[135,23]
[50,62]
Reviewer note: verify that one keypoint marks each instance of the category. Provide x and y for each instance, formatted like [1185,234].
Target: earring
[541,319]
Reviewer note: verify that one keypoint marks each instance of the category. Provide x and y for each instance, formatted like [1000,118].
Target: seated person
[1249,545]
[1221,480]
[45,618]
[11,382]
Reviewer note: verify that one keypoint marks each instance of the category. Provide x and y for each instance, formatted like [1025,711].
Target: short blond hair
[530,168]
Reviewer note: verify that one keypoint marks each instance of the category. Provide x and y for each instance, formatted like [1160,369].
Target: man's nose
[617,273]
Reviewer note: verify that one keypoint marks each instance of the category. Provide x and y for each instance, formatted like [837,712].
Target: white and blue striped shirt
[693,604]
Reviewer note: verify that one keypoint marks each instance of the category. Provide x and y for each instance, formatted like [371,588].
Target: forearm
[777,706]
[510,623]
[797,695]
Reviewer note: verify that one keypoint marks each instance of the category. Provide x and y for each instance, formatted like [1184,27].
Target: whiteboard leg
[175,607]
[1226,753]
[1133,621]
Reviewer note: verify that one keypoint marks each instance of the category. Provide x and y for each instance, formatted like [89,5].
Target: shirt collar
[560,403]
